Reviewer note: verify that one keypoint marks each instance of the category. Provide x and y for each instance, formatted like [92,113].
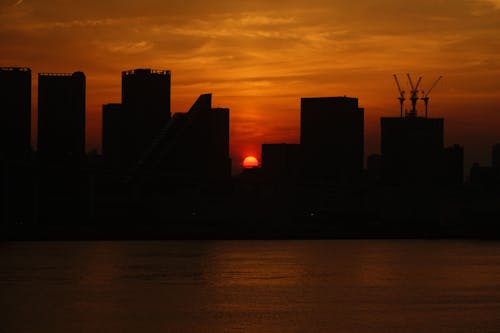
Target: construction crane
[401,95]
[426,95]
[414,95]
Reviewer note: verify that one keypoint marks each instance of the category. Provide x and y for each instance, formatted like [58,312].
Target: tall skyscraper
[194,146]
[15,112]
[412,150]
[61,117]
[146,107]
[332,138]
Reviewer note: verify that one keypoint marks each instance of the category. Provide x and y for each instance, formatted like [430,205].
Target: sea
[250,286]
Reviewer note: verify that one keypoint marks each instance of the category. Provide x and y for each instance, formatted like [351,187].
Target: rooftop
[15,69]
[146,71]
[58,74]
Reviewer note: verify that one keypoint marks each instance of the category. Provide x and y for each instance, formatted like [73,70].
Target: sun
[250,162]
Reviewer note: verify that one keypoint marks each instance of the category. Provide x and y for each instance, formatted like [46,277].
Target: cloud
[481,8]
[130,47]
[495,3]
[38,26]
[278,50]
[243,25]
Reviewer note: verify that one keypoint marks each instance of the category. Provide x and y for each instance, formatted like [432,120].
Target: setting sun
[250,162]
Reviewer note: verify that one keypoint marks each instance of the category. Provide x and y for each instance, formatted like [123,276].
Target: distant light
[250,162]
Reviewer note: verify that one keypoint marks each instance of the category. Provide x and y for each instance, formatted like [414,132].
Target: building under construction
[412,146]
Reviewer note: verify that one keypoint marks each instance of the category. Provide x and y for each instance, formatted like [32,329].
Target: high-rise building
[61,117]
[193,146]
[112,133]
[146,107]
[281,162]
[218,159]
[332,138]
[15,112]
[412,150]
[453,165]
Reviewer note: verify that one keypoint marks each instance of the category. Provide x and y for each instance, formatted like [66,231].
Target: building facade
[15,113]
[193,147]
[146,108]
[112,133]
[412,150]
[332,138]
[61,117]
[453,165]
[281,162]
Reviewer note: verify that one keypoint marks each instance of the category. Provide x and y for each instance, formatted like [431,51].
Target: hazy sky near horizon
[259,57]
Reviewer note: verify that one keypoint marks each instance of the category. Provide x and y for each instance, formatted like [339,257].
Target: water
[250,286]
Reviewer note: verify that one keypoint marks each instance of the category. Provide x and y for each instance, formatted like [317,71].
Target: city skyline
[406,103]
[186,167]
[258,59]
[250,165]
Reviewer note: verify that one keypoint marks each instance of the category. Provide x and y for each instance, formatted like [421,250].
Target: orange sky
[258,57]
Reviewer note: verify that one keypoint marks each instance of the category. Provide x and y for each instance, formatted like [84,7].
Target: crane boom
[418,84]
[401,92]
[411,82]
[426,95]
[433,85]
[413,95]
[401,96]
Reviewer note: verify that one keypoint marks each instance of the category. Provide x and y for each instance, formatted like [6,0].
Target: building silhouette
[488,176]
[193,147]
[495,156]
[373,167]
[281,162]
[412,149]
[113,148]
[146,108]
[61,117]
[15,112]
[453,165]
[332,138]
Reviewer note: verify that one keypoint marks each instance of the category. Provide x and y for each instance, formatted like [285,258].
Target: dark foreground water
[250,286]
